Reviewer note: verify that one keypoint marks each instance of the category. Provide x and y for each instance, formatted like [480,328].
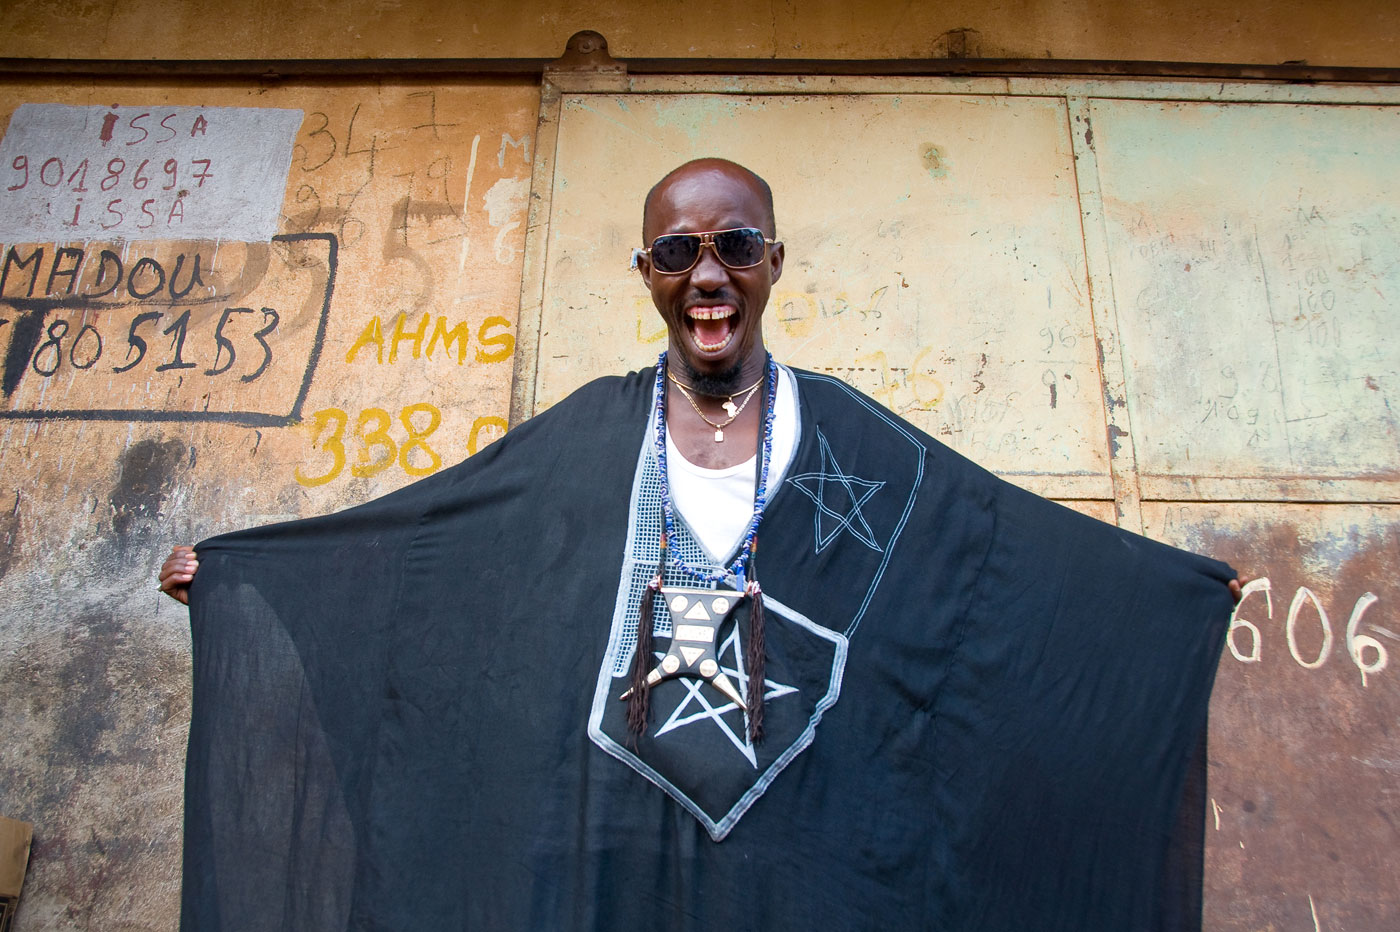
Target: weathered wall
[1167,304]
[421,187]
[1353,32]
[410,199]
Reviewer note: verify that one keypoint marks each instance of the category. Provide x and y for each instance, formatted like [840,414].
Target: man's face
[714,314]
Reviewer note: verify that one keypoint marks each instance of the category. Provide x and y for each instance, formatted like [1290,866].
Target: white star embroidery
[831,489]
[695,693]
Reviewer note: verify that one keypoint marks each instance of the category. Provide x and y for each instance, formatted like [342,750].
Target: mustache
[722,296]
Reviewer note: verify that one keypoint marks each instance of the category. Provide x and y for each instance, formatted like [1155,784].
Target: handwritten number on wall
[1245,639]
[82,348]
[135,343]
[378,450]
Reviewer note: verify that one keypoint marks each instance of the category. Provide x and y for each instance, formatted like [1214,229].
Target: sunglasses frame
[707,238]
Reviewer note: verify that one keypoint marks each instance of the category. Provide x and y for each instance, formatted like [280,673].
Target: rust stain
[934,159]
[1302,756]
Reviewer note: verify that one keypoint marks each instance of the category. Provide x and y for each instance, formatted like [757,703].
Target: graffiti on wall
[133,173]
[160,333]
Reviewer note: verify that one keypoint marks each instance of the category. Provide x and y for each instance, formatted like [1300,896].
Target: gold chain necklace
[729,407]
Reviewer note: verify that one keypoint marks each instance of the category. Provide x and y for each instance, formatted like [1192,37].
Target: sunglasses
[675,253]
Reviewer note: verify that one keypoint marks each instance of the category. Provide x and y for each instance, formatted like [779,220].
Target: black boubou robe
[981,707]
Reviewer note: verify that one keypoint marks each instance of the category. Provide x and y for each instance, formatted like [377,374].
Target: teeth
[713,347]
[710,313]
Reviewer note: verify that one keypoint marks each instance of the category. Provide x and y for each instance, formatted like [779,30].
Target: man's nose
[709,273]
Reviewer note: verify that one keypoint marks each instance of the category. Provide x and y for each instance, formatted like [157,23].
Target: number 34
[372,430]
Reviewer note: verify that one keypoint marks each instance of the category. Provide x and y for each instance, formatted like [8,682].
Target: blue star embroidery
[838,498]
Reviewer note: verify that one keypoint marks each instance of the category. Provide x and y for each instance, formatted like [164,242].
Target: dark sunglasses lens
[740,249]
[675,252]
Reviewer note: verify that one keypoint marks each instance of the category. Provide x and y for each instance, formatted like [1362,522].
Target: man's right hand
[176,572]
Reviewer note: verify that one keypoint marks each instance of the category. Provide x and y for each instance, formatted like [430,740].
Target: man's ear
[643,266]
[775,263]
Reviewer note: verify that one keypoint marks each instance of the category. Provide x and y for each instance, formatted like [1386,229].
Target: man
[562,686]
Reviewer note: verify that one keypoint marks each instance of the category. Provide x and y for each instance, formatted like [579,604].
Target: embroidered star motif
[838,497]
[696,706]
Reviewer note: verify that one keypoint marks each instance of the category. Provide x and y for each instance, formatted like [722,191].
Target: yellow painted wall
[1348,32]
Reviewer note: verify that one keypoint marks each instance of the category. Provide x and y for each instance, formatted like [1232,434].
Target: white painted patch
[506,199]
[144,172]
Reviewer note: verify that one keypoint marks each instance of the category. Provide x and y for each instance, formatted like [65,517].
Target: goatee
[720,385]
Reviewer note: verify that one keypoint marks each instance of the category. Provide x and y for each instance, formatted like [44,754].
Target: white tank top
[717,504]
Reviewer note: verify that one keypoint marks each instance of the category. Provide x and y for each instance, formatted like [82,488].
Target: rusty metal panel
[409,199]
[927,259]
[1304,762]
[1255,255]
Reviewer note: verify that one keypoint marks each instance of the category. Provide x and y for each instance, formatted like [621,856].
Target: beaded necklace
[698,659]
[760,499]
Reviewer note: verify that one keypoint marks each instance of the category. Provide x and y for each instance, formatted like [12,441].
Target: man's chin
[713,381]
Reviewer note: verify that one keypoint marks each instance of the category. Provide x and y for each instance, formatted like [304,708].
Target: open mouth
[712,327]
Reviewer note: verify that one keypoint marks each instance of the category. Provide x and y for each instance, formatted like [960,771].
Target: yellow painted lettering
[458,334]
[417,439]
[373,333]
[506,341]
[334,445]
[367,466]
[399,336]
[495,426]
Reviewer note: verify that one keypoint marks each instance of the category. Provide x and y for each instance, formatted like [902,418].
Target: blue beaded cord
[760,499]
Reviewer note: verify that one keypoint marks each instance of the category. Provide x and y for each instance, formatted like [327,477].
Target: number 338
[378,450]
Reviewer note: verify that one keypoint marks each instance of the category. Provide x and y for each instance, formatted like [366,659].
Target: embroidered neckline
[741,560]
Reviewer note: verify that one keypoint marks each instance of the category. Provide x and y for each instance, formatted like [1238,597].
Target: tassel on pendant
[754,661]
[639,696]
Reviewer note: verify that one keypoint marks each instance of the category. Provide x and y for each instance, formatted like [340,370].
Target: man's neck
[696,433]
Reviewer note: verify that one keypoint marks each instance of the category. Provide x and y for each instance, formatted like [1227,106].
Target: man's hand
[1237,587]
[179,568]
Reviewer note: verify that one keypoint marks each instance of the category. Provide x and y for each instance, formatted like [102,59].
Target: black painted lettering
[177,294]
[222,342]
[177,333]
[85,356]
[134,342]
[12,257]
[156,269]
[28,329]
[70,273]
[271,318]
[107,260]
[57,331]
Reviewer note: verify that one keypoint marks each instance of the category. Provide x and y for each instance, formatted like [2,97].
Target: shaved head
[718,166]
